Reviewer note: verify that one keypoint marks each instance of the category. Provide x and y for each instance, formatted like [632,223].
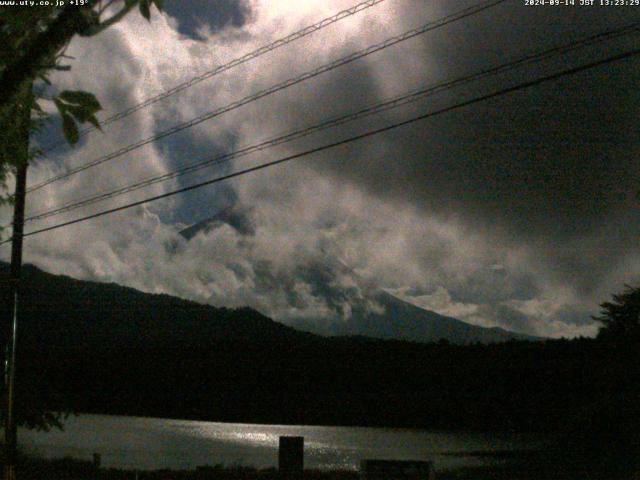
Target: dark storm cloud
[510,318]
[186,149]
[509,213]
[192,15]
[552,167]
[321,276]
[493,285]
[236,217]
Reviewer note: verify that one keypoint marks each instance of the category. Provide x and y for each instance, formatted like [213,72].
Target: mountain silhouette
[400,320]
[60,311]
[396,319]
[103,348]
[65,312]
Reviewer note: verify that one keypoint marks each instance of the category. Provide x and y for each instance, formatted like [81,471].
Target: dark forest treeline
[513,386]
[103,348]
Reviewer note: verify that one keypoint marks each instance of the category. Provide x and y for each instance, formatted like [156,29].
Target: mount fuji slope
[401,320]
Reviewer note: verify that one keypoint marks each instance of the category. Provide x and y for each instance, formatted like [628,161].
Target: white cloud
[306,219]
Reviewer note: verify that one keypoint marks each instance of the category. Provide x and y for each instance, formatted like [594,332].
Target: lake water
[149,443]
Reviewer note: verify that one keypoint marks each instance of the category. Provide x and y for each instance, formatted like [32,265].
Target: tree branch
[71,21]
[95,29]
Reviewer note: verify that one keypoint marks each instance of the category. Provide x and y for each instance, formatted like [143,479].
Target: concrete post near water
[291,457]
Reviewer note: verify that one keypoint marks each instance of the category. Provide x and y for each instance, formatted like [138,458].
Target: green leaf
[144,9]
[94,121]
[80,113]
[91,22]
[83,114]
[159,4]
[70,129]
[62,108]
[129,3]
[79,97]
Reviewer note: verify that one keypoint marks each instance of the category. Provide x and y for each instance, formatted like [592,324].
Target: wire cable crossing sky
[467,12]
[229,65]
[353,116]
[493,212]
[505,91]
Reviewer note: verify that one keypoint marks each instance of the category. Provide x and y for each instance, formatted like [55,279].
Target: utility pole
[21,143]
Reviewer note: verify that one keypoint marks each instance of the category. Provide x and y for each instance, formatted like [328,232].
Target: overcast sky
[519,212]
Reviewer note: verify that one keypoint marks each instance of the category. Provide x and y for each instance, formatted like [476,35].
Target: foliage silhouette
[33,42]
[103,348]
[620,318]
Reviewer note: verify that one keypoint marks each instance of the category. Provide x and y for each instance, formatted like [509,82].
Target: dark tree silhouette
[33,42]
[620,318]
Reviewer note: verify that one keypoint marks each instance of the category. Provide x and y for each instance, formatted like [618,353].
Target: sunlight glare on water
[153,443]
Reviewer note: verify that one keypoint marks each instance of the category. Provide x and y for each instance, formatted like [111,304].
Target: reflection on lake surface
[151,443]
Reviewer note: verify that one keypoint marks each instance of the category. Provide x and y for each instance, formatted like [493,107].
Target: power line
[233,63]
[340,120]
[467,12]
[498,93]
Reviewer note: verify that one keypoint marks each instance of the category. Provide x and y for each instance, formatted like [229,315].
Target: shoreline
[529,466]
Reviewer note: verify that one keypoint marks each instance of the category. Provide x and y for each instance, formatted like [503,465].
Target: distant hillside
[64,312]
[103,348]
[72,312]
[401,320]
